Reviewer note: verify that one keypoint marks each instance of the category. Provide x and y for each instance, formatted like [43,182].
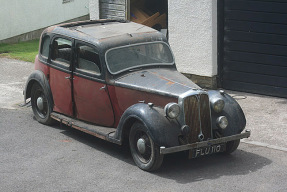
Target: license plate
[207,150]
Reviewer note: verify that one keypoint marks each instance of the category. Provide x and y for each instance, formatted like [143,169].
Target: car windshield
[133,56]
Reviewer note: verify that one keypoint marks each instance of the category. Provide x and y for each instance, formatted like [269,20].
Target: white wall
[19,16]
[192,35]
[94,9]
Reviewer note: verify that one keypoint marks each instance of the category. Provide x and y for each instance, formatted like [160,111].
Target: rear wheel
[144,151]
[41,105]
[231,146]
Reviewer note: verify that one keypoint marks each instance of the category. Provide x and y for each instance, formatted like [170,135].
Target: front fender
[40,78]
[162,130]
[233,112]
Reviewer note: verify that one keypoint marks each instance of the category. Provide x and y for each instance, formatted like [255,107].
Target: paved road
[34,157]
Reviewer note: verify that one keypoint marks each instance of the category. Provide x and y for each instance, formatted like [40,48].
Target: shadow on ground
[116,151]
[177,166]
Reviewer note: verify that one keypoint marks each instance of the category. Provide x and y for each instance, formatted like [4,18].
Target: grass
[25,51]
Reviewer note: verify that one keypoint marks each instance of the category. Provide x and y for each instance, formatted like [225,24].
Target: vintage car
[117,80]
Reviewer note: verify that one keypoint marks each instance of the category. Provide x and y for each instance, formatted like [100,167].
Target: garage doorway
[252,46]
[152,13]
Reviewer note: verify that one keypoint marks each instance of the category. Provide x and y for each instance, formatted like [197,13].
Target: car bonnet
[161,81]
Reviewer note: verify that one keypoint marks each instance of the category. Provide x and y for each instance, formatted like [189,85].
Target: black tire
[150,159]
[231,146]
[41,113]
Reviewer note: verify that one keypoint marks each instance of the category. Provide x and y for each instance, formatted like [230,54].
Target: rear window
[45,46]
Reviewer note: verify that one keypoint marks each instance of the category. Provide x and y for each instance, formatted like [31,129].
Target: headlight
[217,105]
[172,110]
[222,122]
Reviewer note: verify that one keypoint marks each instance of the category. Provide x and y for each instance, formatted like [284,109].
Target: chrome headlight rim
[217,105]
[222,122]
[172,110]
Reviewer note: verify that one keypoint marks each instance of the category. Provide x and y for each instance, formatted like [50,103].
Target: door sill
[101,132]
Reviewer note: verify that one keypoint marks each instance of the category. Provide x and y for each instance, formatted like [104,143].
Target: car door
[91,98]
[60,74]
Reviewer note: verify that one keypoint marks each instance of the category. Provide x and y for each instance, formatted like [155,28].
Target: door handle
[69,77]
[103,88]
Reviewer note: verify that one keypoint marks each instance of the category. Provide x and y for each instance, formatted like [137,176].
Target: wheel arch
[233,112]
[162,130]
[40,78]
[126,128]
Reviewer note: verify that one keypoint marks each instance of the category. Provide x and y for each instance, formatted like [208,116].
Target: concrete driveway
[14,74]
[266,117]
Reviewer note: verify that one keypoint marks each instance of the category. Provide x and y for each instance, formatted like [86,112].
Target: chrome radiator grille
[197,117]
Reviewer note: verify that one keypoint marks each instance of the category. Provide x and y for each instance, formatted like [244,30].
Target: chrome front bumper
[164,150]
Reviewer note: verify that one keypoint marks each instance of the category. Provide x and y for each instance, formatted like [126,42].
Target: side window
[88,60]
[62,51]
[45,46]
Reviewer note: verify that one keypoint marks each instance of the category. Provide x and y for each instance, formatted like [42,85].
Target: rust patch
[170,83]
[162,77]
[50,29]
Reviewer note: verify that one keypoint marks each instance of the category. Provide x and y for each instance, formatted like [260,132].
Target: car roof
[111,29]
[108,33]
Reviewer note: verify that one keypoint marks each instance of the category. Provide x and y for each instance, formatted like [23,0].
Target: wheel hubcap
[40,103]
[141,145]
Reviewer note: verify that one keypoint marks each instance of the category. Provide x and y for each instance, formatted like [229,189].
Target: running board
[95,130]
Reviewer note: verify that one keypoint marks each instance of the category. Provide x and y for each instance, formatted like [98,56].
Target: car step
[97,131]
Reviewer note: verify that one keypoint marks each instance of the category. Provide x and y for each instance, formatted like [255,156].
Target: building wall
[193,35]
[19,17]
[94,9]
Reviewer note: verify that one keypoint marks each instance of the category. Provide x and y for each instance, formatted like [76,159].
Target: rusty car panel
[87,108]
[117,80]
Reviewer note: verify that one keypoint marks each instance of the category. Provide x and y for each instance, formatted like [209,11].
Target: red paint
[60,87]
[41,67]
[61,90]
[123,98]
[92,103]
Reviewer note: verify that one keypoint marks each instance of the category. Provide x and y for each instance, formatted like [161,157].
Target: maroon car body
[117,80]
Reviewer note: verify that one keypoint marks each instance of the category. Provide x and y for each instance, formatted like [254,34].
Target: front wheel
[231,146]
[145,152]
[41,105]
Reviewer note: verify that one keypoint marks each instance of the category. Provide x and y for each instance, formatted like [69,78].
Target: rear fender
[40,78]
[162,130]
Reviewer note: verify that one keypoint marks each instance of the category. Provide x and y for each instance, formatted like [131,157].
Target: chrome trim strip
[200,136]
[196,145]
